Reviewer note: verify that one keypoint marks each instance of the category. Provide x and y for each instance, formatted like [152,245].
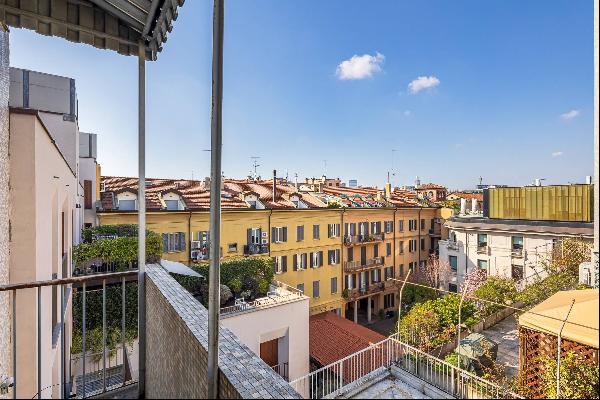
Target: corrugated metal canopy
[106,24]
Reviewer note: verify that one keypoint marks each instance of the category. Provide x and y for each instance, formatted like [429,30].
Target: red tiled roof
[333,338]
[467,196]
[428,186]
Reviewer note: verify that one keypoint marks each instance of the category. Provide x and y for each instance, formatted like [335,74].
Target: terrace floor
[506,334]
[391,388]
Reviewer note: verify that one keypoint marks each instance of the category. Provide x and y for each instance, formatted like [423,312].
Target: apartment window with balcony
[333,285]
[280,264]
[300,287]
[376,276]
[453,261]
[350,254]
[401,225]
[333,256]
[350,281]
[388,226]
[401,246]
[376,227]
[363,255]
[300,233]
[363,228]
[173,242]
[388,249]
[350,229]
[376,250]
[389,300]
[316,232]
[482,265]
[333,230]
[254,235]
[279,234]
[316,288]
[300,262]
[316,259]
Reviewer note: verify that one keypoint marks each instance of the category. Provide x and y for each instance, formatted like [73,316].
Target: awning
[106,24]
[179,268]
[582,324]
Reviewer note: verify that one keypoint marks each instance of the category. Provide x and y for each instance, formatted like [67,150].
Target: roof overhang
[117,25]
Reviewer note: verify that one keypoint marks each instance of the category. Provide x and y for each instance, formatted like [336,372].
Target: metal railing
[66,386]
[357,239]
[283,370]
[352,266]
[251,249]
[355,370]
[482,249]
[279,293]
[516,253]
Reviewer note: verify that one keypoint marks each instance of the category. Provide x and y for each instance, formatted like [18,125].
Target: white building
[503,247]
[89,173]
[275,328]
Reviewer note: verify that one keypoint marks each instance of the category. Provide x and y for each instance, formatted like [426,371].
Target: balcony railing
[279,293]
[350,373]
[350,240]
[88,383]
[283,370]
[373,288]
[452,245]
[357,265]
[517,253]
[252,249]
[482,249]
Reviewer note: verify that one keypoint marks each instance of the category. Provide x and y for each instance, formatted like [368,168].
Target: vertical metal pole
[14,343]
[123,326]
[141,218]
[400,303]
[63,393]
[39,342]
[462,298]
[83,333]
[215,201]
[558,355]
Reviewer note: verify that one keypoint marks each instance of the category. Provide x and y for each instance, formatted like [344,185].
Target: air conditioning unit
[264,234]
[264,241]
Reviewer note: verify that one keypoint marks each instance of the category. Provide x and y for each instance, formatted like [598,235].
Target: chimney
[473,206]
[537,182]
[463,206]
[207,183]
[274,184]
[388,190]
[588,180]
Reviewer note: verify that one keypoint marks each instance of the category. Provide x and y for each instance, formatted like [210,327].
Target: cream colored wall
[287,322]
[42,187]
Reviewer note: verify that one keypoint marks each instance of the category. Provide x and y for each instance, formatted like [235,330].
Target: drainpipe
[190,238]
[269,230]
[215,201]
[419,243]
[274,185]
[394,241]
[559,351]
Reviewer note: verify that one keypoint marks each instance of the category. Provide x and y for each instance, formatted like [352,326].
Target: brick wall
[177,356]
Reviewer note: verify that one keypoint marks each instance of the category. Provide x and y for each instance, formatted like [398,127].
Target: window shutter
[337,256]
[284,263]
[249,236]
[320,258]
[295,262]
[329,226]
[305,260]
[284,229]
[274,264]
[165,238]
[346,278]
[273,235]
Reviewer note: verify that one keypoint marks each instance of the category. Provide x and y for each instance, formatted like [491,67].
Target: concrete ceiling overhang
[116,25]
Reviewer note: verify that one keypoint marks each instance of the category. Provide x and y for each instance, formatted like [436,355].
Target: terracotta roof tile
[427,186]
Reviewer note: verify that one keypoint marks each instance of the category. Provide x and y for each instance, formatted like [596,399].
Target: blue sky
[501,89]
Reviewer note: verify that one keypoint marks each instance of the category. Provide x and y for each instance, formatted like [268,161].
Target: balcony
[253,249]
[354,266]
[355,294]
[483,249]
[516,253]
[279,293]
[452,245]
[436,232]
[351,240]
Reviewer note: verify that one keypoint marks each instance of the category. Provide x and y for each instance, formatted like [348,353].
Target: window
[388,249]
[453,260]
[401,246]
[350,229]
[316,293]
[376,227]
[316,232]
[173,242]
[412,224]
[172,205]
[350,281]
[333,256]
[401,270]
[279,234]
[452,288]
[389,300]
[422,244]
[412,266]
[300,233]
[87,194]
[388,226]
[253,235]
[401,225]
[232,247]
[517,272]
[300,262]
[412,245]
[300,287]
[482,264]
[350,255]
[333,230]
[333,285]
[481,240]
[363,228]
[388,272]
[280,264]
[376,276]
[316,259]
[517,242]
[127,205]
[422,224]
[376,250]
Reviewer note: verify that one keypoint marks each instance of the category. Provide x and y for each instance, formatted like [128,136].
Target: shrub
[541,290]
[496,289]
[578,378]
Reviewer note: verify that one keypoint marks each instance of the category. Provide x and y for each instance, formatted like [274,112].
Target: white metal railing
[279,293]
[359,368]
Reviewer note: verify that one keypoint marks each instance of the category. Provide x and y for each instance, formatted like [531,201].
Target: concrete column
[5,326]
[369,310]
[356,311]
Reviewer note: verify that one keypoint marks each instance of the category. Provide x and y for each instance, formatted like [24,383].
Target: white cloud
[360,67]
[423,82]
[570,114]
[557,154]
[407,113]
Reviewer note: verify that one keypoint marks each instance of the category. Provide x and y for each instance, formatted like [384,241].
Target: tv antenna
[255,166]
